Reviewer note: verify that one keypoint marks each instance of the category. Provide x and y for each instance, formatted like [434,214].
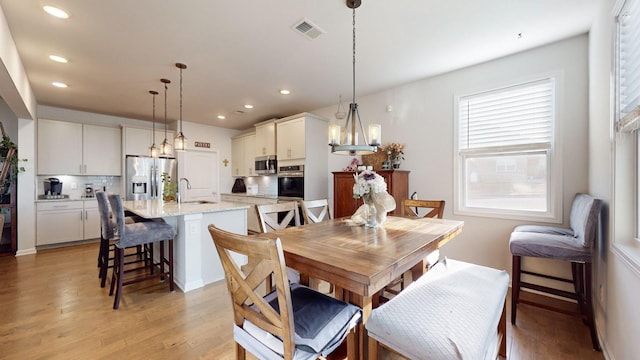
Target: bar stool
[140,233]
[107,225]
[573,245]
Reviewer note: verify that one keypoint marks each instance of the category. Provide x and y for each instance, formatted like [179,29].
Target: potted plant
[9,159]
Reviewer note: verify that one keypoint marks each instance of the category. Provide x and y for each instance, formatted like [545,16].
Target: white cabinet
[265,138]
[291,139]
[137,141]
[66,221]
[78,149]
[91,220]
[101,150]
[201,168]
[59,147]
[243,155]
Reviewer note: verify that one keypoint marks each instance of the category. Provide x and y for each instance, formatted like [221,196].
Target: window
[627,107]
[505,149]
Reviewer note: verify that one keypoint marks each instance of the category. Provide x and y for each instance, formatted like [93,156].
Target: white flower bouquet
[372,188]
[367,183]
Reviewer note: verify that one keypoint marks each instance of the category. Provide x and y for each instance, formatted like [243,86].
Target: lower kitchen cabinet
[66,221]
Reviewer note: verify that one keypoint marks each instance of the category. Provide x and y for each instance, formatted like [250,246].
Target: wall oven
[291,181]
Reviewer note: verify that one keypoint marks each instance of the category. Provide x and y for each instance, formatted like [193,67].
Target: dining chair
[550,242]
[139,233]
[275,217]
[291,322]
[414,208]
[314,211]
[107,247]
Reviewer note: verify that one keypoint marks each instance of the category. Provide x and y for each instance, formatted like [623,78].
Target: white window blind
[515,116]
[628,63]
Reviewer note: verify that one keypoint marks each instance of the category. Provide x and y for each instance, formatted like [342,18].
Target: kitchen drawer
[60,205]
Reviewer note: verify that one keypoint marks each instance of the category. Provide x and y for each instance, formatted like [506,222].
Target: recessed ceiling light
[54,11]
[221,117]
[59,84]
[59,59]
[285,92]
[248,106]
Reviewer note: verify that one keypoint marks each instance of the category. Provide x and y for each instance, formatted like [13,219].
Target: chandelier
[346,141]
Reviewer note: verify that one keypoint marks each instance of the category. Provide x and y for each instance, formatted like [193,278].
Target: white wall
[422,119]
[617,279]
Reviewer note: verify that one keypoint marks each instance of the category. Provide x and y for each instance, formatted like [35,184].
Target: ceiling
[244,52]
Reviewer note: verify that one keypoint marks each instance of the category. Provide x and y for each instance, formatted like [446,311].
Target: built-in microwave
[266,165]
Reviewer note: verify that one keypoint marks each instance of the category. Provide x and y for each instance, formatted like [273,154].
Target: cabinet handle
[80,168]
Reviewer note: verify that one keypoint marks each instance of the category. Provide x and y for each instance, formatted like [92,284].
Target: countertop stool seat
[107,247]
[456,310]
[139,233]
[573,245]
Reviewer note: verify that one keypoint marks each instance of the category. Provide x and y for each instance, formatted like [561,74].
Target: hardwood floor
[52,307]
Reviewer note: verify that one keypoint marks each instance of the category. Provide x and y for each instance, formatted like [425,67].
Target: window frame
[553,152]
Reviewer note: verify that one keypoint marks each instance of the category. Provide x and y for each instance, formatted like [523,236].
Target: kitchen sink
[196,202]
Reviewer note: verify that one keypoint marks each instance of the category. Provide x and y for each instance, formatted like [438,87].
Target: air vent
[307,29]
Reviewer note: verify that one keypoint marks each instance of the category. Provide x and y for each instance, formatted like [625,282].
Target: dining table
[360,261]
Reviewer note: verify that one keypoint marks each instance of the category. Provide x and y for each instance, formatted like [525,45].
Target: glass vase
[371,213]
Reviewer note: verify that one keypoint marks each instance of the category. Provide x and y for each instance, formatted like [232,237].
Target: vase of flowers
[395,154]
[372,188]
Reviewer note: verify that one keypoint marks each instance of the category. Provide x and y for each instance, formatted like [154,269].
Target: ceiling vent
[307,29]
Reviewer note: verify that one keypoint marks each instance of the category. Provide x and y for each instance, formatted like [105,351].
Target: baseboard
[29,251]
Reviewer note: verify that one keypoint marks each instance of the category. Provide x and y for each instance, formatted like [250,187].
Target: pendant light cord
[165,112]
[354,55]
[180,100]
[154,93]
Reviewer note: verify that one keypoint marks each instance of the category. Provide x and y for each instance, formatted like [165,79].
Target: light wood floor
[52,307]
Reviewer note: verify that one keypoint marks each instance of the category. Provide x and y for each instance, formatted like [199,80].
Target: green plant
[170,187]
[6,145]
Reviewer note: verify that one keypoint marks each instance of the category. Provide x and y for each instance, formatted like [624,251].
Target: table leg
[418,270]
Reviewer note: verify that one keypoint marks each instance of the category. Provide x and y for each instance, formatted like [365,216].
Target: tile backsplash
[267,185]
[74,186]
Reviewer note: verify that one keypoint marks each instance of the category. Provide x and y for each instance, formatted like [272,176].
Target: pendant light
[165,148]
[346,142]
[153,149]
[180,141]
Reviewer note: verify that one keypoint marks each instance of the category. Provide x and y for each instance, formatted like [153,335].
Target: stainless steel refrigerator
[144,176]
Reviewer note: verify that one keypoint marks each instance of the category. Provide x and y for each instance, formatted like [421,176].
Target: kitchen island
[196,262]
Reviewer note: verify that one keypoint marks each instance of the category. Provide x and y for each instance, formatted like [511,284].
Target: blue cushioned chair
[293,321]
[573,245]
[139,233]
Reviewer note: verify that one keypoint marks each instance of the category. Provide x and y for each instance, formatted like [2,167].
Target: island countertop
[157,208]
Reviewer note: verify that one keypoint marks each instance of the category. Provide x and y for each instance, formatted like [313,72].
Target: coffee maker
[52,186]
[88,191]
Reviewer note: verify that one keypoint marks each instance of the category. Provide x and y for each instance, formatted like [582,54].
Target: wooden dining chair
[315,211]
[275,217]
[414,208]
[293,321]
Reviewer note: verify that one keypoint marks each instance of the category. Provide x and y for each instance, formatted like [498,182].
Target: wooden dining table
[360,261]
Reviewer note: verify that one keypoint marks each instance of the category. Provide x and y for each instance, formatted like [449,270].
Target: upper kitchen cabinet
[243,155]
[66,148]
[137,141]
[301,136]
[265,138]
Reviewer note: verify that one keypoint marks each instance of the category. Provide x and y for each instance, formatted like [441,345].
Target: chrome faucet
[178,197]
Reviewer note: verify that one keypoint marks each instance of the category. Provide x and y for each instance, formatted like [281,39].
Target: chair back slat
[268,215]
[248,303]
[435,208]
[314,211]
